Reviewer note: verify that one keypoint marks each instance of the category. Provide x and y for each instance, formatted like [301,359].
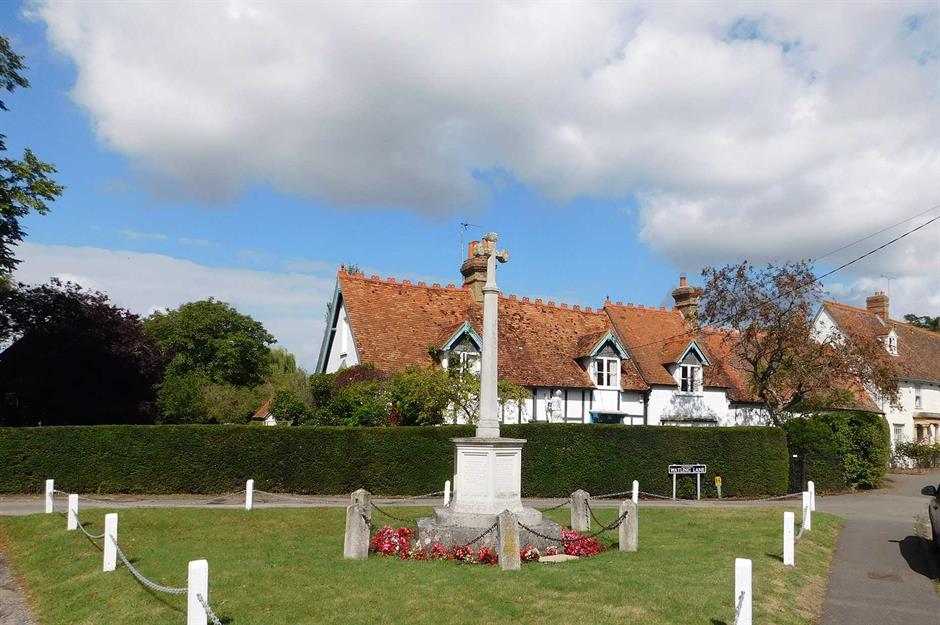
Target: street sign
[698,470]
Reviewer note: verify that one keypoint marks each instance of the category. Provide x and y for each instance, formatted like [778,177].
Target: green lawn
[285,566]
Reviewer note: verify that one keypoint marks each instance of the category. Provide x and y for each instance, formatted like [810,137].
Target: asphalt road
[882,568]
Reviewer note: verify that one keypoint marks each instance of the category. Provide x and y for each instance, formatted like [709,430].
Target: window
[891,342]
[898,432]
[918,402]
[607,372]
[469,360]
[689,379]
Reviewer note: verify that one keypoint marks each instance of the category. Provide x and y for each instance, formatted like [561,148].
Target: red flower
[487,556]
[578,545]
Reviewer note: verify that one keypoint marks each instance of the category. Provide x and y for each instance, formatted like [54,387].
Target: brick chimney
[686,298]
[878,304]
[474,271]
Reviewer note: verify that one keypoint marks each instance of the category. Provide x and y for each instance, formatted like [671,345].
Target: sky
[245,150]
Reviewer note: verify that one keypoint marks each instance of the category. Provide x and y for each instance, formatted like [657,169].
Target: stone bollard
[109,562]
[811,486]
[630,527]
[50,493]
[71,522]
[508,528]
[364,499]
[807,511]
[635,497]
[197,583]
[580,514]
[788,539]
[356,541]
[446,493]
[742,584]
[249,494]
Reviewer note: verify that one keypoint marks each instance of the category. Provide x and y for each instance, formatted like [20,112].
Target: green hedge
[557,459]
[840,450]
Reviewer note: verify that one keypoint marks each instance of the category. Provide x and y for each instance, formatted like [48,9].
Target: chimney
[686,298]
[878,304]
[474,271]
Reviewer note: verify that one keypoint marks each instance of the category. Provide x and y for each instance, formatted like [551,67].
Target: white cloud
[291,306]
[768,131]
[194,242]
[142,236]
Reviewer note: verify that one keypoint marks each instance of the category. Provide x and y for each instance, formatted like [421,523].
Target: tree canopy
[25,184]
[927,322]
[74,359]
[768,313]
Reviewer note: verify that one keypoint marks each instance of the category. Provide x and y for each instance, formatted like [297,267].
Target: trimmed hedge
[557,459]
[841,449]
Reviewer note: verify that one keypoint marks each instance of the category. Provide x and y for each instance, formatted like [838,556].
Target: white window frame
[468,359]
[918,399]
[608,370]
[898,431]
[690,378]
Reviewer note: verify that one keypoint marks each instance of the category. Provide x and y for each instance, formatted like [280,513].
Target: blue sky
[606,195]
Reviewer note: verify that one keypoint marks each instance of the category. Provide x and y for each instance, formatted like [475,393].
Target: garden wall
[557,459]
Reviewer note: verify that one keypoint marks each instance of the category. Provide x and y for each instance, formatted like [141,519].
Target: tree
[767,317]
[206,343]
[288,409]
[212,338]
[420,396]
[25,185]
[927,322]
[74,359]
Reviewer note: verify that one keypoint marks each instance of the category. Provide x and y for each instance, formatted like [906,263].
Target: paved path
[882,568]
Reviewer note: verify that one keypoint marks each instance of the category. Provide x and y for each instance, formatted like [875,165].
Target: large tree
[74,358]
[767,314]
[206,343]
[927,322]
[25,184]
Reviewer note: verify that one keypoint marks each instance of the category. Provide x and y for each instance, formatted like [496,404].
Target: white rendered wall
[343,349]
[668,402]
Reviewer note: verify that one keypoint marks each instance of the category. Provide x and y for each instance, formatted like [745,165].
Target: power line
[807,284]
[874,234]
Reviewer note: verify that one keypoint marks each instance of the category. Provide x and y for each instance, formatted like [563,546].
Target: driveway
[882,568]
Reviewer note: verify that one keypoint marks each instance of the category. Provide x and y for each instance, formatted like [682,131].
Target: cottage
[619,363]
[916,352]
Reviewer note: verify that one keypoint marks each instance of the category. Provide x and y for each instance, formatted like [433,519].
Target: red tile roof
[264,410]
[918,349]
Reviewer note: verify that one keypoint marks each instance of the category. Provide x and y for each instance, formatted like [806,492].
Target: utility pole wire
[874,234]
[808,283]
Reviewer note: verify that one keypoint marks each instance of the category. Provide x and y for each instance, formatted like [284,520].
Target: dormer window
[690,379]
[469,360]
[891,343]
[607,372]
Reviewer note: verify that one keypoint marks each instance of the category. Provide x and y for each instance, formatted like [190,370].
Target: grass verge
[285,566]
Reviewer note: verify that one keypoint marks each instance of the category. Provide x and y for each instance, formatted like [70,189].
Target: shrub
[287,409]
[841,449]
[918,454]
[557,459]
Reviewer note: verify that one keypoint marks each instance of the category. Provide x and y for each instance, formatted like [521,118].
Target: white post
[636,492]
[50,487]
[673,485]
[698,485]
[110,549]
[446,493]
[249,494]
[788,539]
[742,584]
[807,511]
[197,584]
[72,522]
[812,495]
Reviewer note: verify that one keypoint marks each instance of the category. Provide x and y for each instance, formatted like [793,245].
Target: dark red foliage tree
[73,358]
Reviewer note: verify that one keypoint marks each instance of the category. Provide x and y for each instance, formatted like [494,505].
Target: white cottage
[615,364]
[917,355]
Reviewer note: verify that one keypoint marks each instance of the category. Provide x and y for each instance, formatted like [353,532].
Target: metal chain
[607,495]
[483,535]
[84,531]
[222,498]
[60,492]
[209,613]
[737,609]
[367,521]
[561,505]
[140,576]
[566,541]
[392,516]
[802,525]
[606,528]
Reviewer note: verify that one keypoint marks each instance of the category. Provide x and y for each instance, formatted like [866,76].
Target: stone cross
[488,423]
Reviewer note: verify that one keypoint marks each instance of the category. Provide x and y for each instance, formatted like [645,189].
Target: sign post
[688,469]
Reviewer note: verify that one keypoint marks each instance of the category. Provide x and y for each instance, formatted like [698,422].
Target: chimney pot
[682,279]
